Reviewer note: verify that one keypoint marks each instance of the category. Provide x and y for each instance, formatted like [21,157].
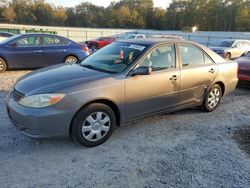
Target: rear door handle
[212,70]
[38,51]
[174,78]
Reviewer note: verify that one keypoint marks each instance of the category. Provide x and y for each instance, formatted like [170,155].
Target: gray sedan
[119,83]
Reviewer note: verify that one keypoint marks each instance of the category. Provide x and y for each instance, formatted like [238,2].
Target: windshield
[114,58]
[226,43]
[9,39]
[248,54]
[130,37]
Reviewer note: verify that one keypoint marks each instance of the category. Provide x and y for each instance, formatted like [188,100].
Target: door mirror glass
[141,71]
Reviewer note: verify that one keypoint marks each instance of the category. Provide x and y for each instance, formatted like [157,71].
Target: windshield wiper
[96,69]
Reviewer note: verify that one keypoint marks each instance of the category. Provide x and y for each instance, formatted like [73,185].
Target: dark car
[119,83]
[244,70]
[99,42]
[5,35]
[39,50]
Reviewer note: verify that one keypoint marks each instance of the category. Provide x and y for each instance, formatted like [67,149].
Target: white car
[231,49]
[135,36]
[5,35]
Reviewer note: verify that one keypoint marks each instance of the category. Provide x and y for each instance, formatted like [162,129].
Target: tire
[71,59]
[3,65]
[212,99]
[93,121]
[228,55]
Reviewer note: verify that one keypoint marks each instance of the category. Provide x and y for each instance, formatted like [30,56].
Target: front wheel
[212,99]
[3,65]
[93,125]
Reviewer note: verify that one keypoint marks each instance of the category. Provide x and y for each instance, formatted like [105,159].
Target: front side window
[29,41]
[160,58]
[114,58]
[191,55]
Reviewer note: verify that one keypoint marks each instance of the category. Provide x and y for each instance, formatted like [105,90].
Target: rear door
[54,50]
[197,73]
[25,52]
[147,94]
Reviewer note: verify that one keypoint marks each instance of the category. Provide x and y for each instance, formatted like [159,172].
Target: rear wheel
[71,59]
[93,125]
[212,99]
[3,65]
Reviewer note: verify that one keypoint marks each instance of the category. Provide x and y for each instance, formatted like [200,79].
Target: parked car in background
[244,70]
[99,42]
[5,35]
[119,83]
[135,36]
[39,50]
[231,49]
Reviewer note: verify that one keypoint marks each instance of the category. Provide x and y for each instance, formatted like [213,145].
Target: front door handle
[174,78]
[212,70]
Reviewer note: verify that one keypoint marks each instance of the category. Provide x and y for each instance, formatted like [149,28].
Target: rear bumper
[39,123]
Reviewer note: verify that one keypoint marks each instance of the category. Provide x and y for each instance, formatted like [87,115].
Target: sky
[105,3]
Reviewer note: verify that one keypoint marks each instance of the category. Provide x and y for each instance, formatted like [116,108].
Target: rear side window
[54,41]
[191,55]
[29,41]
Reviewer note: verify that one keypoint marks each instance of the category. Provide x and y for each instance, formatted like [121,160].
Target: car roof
[27,34]
[152,41]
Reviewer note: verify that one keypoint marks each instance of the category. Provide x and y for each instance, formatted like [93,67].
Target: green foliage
[219,15]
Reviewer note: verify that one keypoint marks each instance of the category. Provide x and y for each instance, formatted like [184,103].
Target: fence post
[86,34]
[189,36]
[208,40]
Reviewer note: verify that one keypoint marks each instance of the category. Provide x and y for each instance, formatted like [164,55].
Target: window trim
[151,50]
[31,46]
[193,65]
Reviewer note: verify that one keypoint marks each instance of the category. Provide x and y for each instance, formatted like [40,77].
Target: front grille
[17,95]
[245,72]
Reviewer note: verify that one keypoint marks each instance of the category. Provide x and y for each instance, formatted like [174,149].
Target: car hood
[56,79]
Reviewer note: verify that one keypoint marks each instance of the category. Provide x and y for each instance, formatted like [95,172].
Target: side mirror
[13,45]
[141,71]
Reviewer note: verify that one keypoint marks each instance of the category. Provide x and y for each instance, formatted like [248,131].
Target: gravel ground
[188,148]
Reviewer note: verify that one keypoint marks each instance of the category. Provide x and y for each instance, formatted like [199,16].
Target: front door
[148,94]
[25,52]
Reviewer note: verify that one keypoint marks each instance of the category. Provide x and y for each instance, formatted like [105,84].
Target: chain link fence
[83,34]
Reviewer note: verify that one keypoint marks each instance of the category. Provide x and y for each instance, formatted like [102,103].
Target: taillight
[85,49]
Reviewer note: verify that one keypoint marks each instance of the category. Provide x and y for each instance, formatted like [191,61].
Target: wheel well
[109,103]
[222,87]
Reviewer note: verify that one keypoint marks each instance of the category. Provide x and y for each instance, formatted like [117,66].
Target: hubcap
[96,126]
[71,60]
[1,65]
[213,98]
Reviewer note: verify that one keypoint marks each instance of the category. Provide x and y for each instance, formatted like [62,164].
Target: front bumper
[40,123]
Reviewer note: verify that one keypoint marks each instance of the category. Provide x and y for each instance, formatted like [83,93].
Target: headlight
[41,100]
